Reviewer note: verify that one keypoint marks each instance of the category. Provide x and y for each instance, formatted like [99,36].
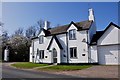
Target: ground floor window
[73,52]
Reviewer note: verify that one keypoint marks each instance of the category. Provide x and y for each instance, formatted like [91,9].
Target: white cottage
[76,43]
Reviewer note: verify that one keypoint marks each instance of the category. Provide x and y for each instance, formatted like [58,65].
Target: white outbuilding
[109,45]
[6,54]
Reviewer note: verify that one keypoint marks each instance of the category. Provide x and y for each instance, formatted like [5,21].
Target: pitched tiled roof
[84,25]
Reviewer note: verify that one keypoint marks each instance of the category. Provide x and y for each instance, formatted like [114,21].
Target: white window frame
[72,34]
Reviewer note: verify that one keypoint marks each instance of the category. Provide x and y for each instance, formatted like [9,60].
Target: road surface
[9,72]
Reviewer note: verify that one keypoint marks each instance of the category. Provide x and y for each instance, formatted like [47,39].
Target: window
[73,52]
[54,52]
[32,56]
[83,54]
[72,34]
[41,39]
[41,54]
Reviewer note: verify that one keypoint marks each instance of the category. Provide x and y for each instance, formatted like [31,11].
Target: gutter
[88,47]
[67,47]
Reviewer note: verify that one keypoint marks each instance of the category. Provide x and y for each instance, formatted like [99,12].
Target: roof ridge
[68,24]
[111,23]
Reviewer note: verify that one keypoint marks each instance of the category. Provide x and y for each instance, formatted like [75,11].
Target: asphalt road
[9,72]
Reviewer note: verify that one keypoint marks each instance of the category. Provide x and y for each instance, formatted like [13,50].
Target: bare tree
[5,37]
[19,31]
[41,24]
[31,32]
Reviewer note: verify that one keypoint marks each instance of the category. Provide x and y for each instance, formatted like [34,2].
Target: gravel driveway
[94,72]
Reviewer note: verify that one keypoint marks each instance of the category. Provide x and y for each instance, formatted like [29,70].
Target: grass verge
[27,65]
[65,67]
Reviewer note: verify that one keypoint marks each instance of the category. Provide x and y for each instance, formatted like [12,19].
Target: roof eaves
[57,41]
[111,23]
[34,38]
[115,25]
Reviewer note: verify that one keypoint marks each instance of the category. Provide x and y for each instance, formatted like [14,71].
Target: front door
[54,55]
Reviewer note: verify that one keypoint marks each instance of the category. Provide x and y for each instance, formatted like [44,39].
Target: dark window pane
[74,36]
[75,52]
[70,34]
[42,54]
[37,51]
[54,53]
[39,54]
[41,39]
[71,52]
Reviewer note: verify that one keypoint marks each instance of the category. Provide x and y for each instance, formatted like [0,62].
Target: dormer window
[72,34]
[41,39]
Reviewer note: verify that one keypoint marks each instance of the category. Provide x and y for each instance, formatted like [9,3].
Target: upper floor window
[72,34]
[41,39]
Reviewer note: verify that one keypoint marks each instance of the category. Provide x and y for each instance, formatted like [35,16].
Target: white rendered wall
[6,55]
[30,55]
[110,36]
[47,56]
[63,42]
[93,55]
[108,46]
[82,47]
[55,45]
[42,47]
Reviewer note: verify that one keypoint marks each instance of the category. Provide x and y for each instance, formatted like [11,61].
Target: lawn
[27,65]
[65,67]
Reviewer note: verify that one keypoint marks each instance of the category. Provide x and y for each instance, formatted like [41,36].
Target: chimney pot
[47,25]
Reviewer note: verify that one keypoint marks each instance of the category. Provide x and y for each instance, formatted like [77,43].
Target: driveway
[94,72]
